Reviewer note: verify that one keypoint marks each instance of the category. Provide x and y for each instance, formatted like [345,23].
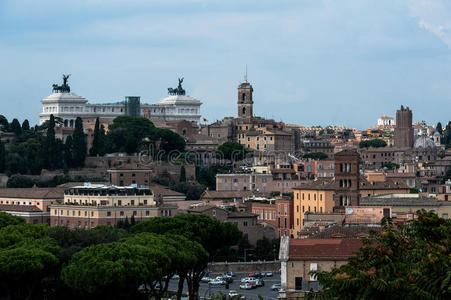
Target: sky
[311,62]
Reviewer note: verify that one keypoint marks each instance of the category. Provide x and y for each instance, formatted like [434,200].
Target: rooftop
[301,249]
[32,193]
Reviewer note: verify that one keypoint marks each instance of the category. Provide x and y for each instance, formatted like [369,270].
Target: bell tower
[245,102]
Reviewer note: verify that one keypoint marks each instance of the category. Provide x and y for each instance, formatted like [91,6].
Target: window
[147,213]
[213,212]
[121,213]
[145,202]
[245,223]
[132,202]
[313,267]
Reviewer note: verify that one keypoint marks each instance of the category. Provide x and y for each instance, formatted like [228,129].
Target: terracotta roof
[319,184]
[32,193]
[301,249]
[203,208]
[239,214]
[226,194]
[346,152]
[162,190]
[389,183]
[24,208]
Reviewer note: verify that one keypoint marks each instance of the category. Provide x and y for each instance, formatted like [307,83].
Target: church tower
[245,103]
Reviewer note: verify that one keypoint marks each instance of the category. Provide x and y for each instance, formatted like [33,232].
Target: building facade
[95,204]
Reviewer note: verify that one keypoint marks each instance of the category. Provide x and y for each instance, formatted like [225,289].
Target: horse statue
[177,91]
[64,88]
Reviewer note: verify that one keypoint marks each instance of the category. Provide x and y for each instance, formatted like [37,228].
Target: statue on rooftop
[179,90]
[64,88]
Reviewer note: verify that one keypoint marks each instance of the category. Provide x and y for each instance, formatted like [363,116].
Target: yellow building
[92,205]
[317,198]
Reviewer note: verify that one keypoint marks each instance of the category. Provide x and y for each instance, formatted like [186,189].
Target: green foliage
[231,151]
[126,133]
[377,143]
[25,126]
[390,165]
[7,219]
[19,181]
[439,128]
[406,262]
[4,124]
[316,155]
[79,144]
[98,143]
[413,191]
[15,127]
[49,148]
[207,175]
[182,174]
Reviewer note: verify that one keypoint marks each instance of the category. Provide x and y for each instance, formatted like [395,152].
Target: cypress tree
[182,174]
[15,127]
[25,125]
[439,128]
[95,149]
[49,147]
[68,152]
[102,141]
[79,144]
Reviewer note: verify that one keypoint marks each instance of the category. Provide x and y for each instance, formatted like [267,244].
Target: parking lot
[265,291]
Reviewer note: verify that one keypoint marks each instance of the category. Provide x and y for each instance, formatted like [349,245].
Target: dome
[179,99]
[64,97]
[424,142]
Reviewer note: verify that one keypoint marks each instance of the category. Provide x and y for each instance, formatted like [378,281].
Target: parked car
[226,278]
[263,274]
[217,282]
[246,286]
[231,273]
[255,275]
[260,282]
[233,293]
[276,287]
[269,274]
[206,279]
[246,279]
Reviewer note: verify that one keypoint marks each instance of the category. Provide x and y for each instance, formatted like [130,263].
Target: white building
[175,108]
[385,121]
[68,106]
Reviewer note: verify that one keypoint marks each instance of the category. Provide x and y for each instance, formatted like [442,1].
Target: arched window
[244,111]
[243,97]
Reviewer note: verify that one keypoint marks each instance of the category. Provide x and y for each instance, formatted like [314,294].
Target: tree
[95,149]
[19,181]
[25,125]
[439,128]
[15,127]
[210,233]
[406,262]
[316,155]
[126,133]
[232,151]
[49,145]
[15,163]
[7,219]
[114,270]
[24,266]
[377,143]
[182,174]
[4,124]
[79,144]
[68,157]
[2,157]
[390,165]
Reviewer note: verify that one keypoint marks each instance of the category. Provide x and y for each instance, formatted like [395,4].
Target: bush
[19,181]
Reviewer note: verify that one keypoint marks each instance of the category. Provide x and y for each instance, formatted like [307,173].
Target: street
[264,291]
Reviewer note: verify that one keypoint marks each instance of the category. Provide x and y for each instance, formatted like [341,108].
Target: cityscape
[131,198]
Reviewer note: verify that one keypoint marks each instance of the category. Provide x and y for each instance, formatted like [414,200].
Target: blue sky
[312,62]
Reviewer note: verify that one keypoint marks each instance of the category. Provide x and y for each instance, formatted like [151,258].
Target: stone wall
[244,267]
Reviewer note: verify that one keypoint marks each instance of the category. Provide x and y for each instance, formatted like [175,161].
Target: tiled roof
[32,193]
[19,208]
[347,152]
[239,214]
[226,194]
[319,184]
[301,249]
[162,190]
[389,184]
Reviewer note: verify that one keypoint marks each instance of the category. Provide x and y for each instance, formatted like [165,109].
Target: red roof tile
[301,249]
